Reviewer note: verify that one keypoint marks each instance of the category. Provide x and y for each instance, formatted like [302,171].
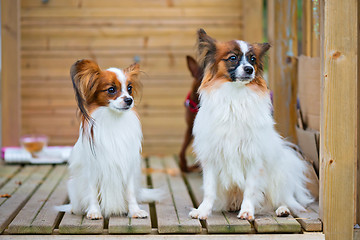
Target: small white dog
[105,164]
[246,164]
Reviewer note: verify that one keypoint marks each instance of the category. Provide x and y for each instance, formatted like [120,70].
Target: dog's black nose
[128,101]
[248,69]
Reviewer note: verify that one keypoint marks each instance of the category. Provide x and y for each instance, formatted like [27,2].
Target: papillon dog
[247,166]
[192,107]
[105,163]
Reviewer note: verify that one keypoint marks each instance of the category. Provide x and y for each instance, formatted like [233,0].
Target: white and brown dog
[246,164]
[105,164]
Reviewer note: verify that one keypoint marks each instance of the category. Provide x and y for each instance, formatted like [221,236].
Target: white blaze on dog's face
[233,61]
[123,100]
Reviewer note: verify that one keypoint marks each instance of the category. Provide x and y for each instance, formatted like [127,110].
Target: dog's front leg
[253,193]
[205,208]
[134,209]
[93,212]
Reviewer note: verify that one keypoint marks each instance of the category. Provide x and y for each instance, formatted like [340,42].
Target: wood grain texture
[273,224]
[159,33]
[10,74]
[172,211]
[7,172]
[218,222]
[310,220]
[282,35]
[36,216]
[126,225]
[76,224]
[253,14]
[30,177]
[339,117]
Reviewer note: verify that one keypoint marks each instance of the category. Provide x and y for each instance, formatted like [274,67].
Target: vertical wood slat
[10,72]
[282,35]
[311,28]
[30,220]
[339,116]
[253,24]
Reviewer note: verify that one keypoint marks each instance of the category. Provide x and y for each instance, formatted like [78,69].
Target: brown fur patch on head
[132,74]
[214,57]
[84,75]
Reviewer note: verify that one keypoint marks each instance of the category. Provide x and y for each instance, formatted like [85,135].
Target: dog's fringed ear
[84,74]
[206,49]
[262,48]
[133,77]
[194,68]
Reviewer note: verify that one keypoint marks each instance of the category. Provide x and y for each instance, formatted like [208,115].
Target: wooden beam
[339,117]
[10,75]
[252,20]
[282,33]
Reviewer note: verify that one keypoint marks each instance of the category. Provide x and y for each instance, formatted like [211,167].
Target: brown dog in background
[192,106]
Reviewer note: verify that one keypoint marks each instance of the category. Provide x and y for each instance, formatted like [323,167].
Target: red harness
[193,107]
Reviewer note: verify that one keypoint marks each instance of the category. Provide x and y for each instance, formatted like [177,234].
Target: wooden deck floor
[35,190]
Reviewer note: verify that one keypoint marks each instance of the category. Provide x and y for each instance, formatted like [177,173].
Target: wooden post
[339,117]
[10,75]
[282,22]
[252,20]
[311,28]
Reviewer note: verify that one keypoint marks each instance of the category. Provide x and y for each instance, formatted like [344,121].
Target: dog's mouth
[122,109]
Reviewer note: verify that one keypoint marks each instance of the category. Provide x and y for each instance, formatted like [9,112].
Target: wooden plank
[310,220]
[181,196]
[171,214]
[10,74]
[7,172]
[253,24]
[30,218]
[339,117]
[218,222]
[305,236]
[30,177]
[273,224]
[77,224]
[282,35]
[125,225]
[130,12]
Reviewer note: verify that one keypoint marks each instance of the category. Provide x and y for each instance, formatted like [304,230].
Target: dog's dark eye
[252,59]
[129,89]
[111,90]
[232,58]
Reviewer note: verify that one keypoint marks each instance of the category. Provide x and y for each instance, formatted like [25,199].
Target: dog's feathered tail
[63,208]
[151,195]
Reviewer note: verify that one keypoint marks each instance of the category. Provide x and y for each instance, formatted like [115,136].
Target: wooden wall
[160,33]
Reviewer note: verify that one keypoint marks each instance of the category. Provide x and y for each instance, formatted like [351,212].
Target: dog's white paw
[246,215]
[282,211]
[94,215]
[138,214]
[199,214]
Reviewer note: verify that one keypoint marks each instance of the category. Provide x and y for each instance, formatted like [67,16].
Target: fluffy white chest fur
[238,148]
[109,166]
